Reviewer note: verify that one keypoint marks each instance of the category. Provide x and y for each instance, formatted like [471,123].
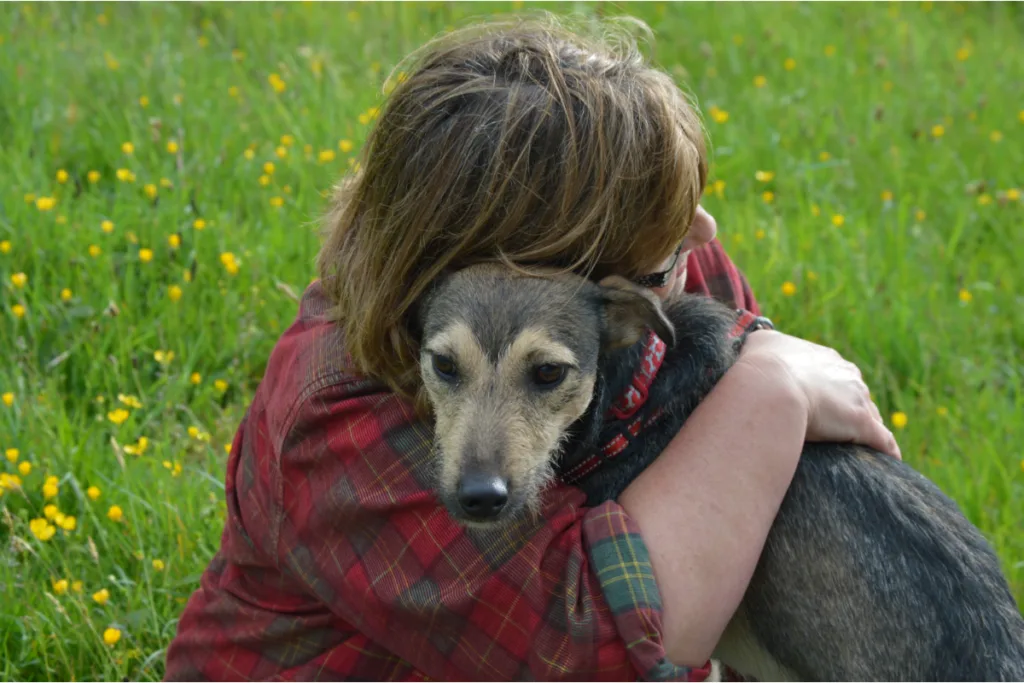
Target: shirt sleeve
[568,595]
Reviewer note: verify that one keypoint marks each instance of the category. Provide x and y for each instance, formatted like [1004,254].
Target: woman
[526,143]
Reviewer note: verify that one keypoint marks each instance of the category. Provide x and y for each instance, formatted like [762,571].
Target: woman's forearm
[706,504]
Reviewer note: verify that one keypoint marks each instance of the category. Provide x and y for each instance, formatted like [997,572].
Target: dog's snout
[481,495]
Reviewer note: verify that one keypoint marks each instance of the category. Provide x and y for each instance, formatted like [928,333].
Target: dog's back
[870,572]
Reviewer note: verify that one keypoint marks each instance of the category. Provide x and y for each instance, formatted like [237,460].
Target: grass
[867,160]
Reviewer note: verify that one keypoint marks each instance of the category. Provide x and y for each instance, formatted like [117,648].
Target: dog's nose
[482,495]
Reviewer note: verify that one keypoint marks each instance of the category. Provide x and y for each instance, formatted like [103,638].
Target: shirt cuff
[621,562]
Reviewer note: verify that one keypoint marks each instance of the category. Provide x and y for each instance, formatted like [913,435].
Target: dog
[869,572]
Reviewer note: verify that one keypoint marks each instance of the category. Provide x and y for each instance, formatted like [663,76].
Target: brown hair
[518,141]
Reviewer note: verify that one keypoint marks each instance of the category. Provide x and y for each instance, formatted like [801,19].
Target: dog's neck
[620,411]
[620,396]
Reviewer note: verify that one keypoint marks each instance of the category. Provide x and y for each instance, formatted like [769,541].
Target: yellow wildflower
[118,416]
[150,190]
[268,168]
[174,292]
[1013,194]
[46,203]
[127,148]
[18,310]
[166,183]
[326,155]
[8,399]
[115,513]
[838,220]
[62,176]
[12,453]
[919,215]
[899,420]
[69,523]
[145,255]
[886,196]
[158,565]
[760,81]
[195,378]
[76,586]
[172,147]
[788,288]
[281,151]
[101,596]
[50,490]
[163,357]
[938,130]
[768,197]
[264,180]
[65,294]
[963,54]
[60,587]
[345,146]
[93,176]
[221,385]
[277,202]
[174,241]
[50,511]
[966,296]
[5,247]
[93,492]
[125,176]
[143,101]
[277,83]
[830,50]
[107,226]
[111,635]
[789,64]
[25,469]
[764,176]
[42,529]
[249,154]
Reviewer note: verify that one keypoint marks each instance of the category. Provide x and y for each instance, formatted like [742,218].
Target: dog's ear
[629,311]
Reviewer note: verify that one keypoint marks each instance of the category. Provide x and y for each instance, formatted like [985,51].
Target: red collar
[636,395]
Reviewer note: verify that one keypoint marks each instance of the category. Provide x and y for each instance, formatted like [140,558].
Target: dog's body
[869,572]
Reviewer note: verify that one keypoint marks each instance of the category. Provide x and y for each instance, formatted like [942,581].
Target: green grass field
[164,166]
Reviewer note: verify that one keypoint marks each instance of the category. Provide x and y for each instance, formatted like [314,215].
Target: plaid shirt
[337,561]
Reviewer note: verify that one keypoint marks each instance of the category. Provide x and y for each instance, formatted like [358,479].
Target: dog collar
[626,406]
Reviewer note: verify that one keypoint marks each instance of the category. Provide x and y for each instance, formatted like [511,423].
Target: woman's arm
[705,506]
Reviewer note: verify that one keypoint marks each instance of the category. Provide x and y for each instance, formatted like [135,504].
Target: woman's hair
[519,141]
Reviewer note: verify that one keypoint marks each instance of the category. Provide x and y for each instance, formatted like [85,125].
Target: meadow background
[163,167]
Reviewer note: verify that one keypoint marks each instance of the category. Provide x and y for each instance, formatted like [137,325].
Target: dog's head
[508,363]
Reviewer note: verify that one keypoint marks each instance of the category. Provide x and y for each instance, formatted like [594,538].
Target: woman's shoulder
[710,271]
[309,370]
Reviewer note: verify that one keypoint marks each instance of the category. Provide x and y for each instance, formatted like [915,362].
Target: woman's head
[518,141]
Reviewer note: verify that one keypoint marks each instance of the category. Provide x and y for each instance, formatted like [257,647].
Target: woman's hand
[839,405]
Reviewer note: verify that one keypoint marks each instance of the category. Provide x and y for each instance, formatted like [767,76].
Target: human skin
[736,456]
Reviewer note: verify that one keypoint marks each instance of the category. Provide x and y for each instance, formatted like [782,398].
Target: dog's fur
[869,572]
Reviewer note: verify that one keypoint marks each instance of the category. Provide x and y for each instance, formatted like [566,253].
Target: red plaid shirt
[337,561]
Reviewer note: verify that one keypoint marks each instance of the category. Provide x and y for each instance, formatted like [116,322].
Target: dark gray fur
[870,572]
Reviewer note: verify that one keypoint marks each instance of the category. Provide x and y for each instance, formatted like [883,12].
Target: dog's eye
[445,367]
[549,375]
